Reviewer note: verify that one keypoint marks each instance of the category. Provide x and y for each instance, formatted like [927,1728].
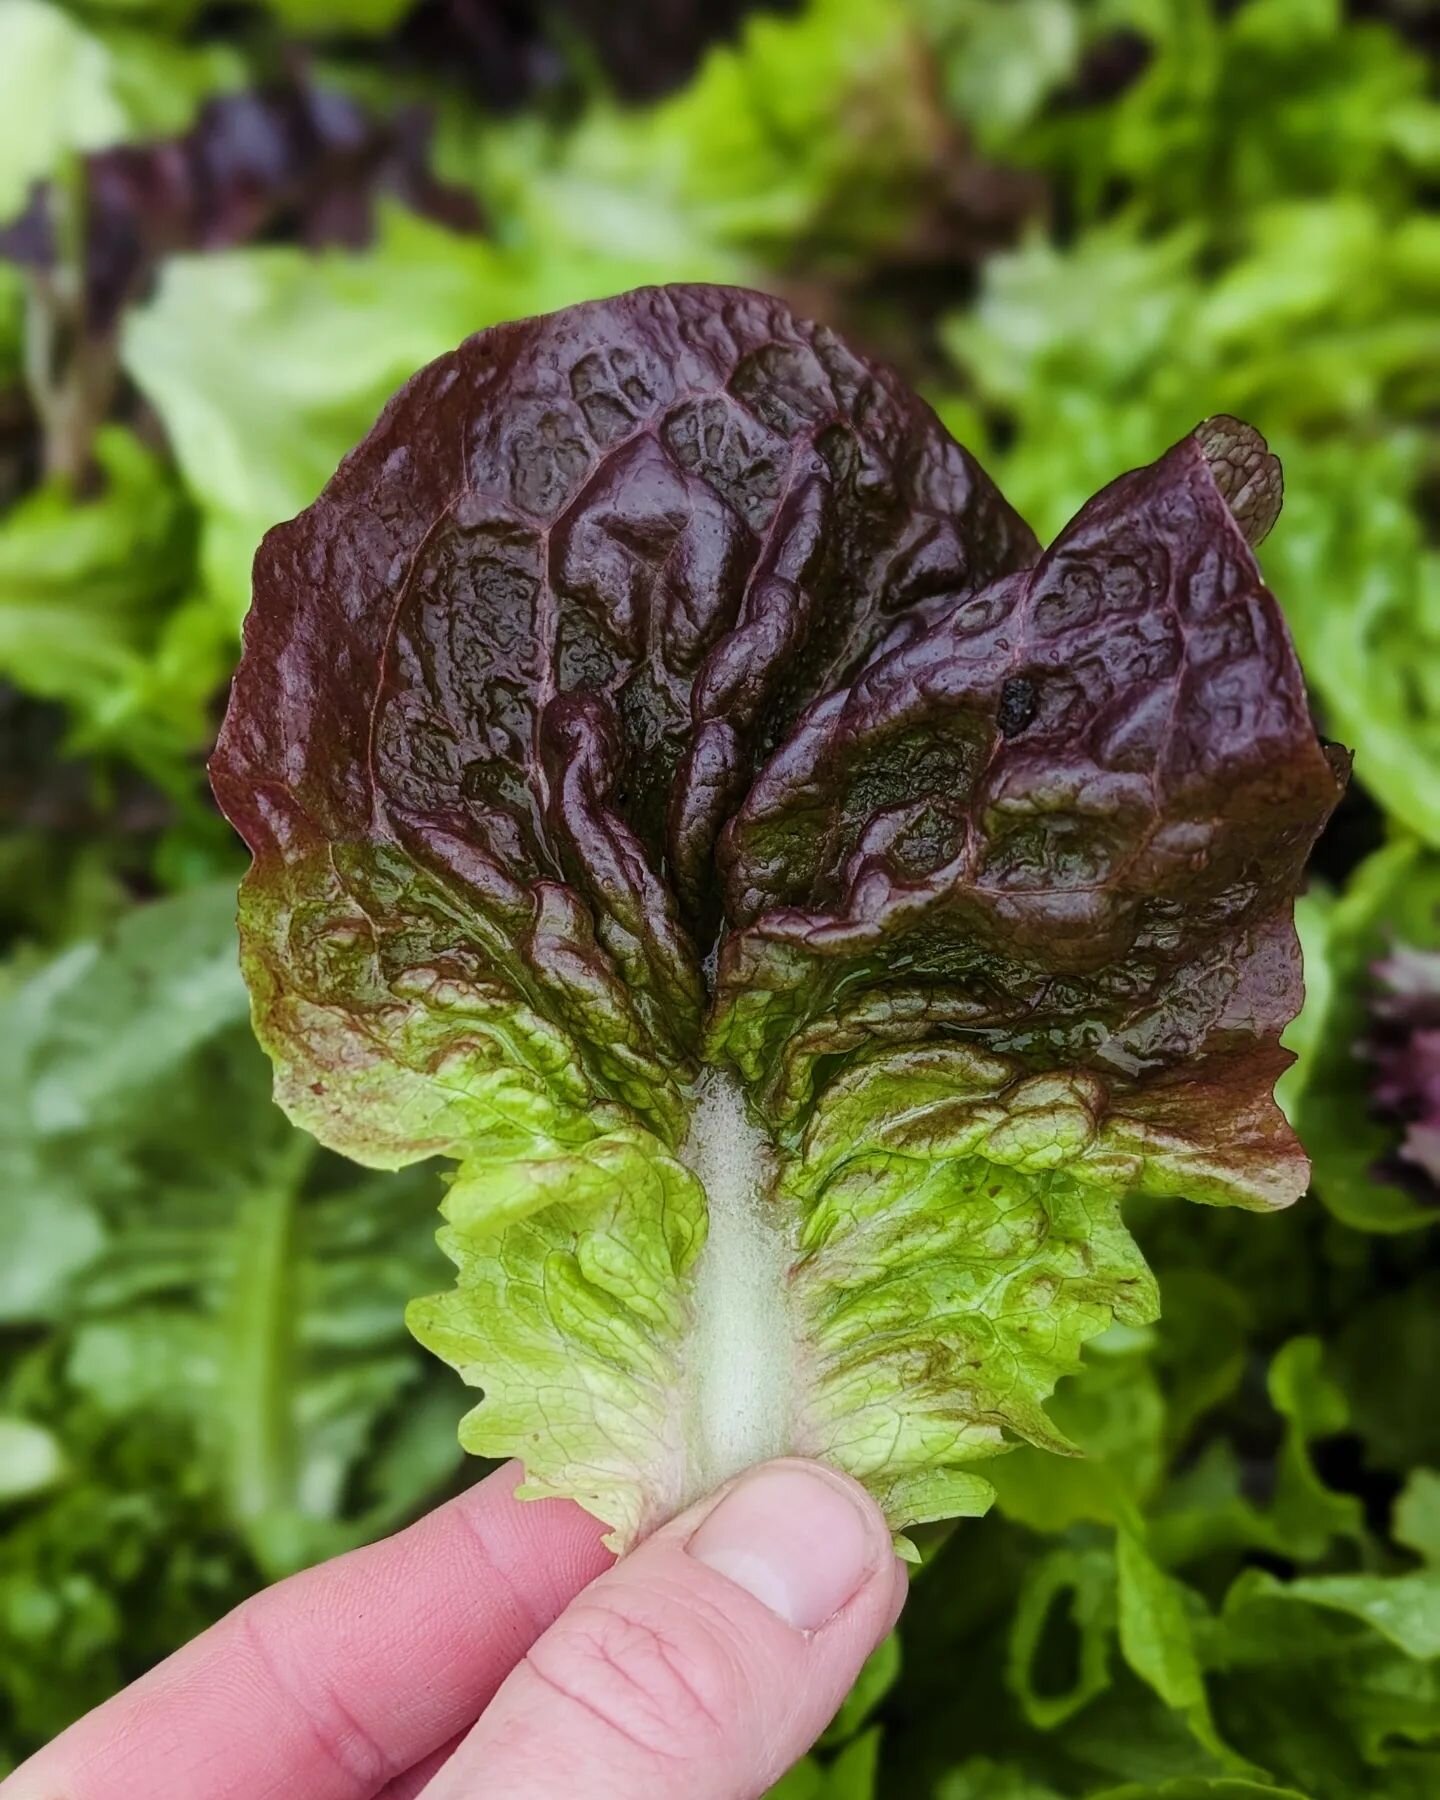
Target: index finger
[333,1682]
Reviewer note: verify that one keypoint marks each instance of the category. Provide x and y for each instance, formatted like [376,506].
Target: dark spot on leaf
[1018,702]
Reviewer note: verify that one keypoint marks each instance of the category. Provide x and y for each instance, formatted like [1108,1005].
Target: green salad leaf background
[1076,227]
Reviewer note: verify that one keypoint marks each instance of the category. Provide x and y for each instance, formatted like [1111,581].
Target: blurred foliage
[1083,225]
[1246,236]
[208,1380]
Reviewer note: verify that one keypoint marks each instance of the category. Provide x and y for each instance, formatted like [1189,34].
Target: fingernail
[794,1539]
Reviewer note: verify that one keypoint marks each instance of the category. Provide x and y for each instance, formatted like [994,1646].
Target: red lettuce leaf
[505,681]
[659,686]
[1065,817]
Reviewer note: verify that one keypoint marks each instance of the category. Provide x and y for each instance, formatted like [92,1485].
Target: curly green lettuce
[683,795]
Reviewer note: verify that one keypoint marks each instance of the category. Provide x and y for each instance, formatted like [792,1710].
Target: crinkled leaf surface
[682,793]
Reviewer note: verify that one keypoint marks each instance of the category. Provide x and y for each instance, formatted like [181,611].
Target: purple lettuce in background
[1403,1048]
[295,161]
[297,158]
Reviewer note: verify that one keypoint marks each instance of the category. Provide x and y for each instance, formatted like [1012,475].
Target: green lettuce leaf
[119,1559]
[66,86]
[91,606]
[802,911]
[1338,1676]
[265,364]
[808,143]
[206,1274]
[1416,1521]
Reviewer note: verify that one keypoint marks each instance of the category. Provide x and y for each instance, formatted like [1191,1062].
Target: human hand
[496,1649]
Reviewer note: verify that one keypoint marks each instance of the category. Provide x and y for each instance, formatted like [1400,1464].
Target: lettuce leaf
[681,793]
[1313,316]
[92,609]
[1365,1090]
[1404,1048]
[265,363]
[809,143]
[183,1271]
[66,87]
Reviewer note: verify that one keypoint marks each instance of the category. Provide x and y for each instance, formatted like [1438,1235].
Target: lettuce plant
[683,794]
[1404,1048]
[1363,1095]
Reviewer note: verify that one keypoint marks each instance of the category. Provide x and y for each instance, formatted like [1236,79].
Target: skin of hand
[496,1649]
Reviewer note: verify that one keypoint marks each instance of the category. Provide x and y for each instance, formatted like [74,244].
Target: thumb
[705,1662]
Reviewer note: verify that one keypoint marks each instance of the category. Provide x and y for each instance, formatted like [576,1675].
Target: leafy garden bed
[228,235]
